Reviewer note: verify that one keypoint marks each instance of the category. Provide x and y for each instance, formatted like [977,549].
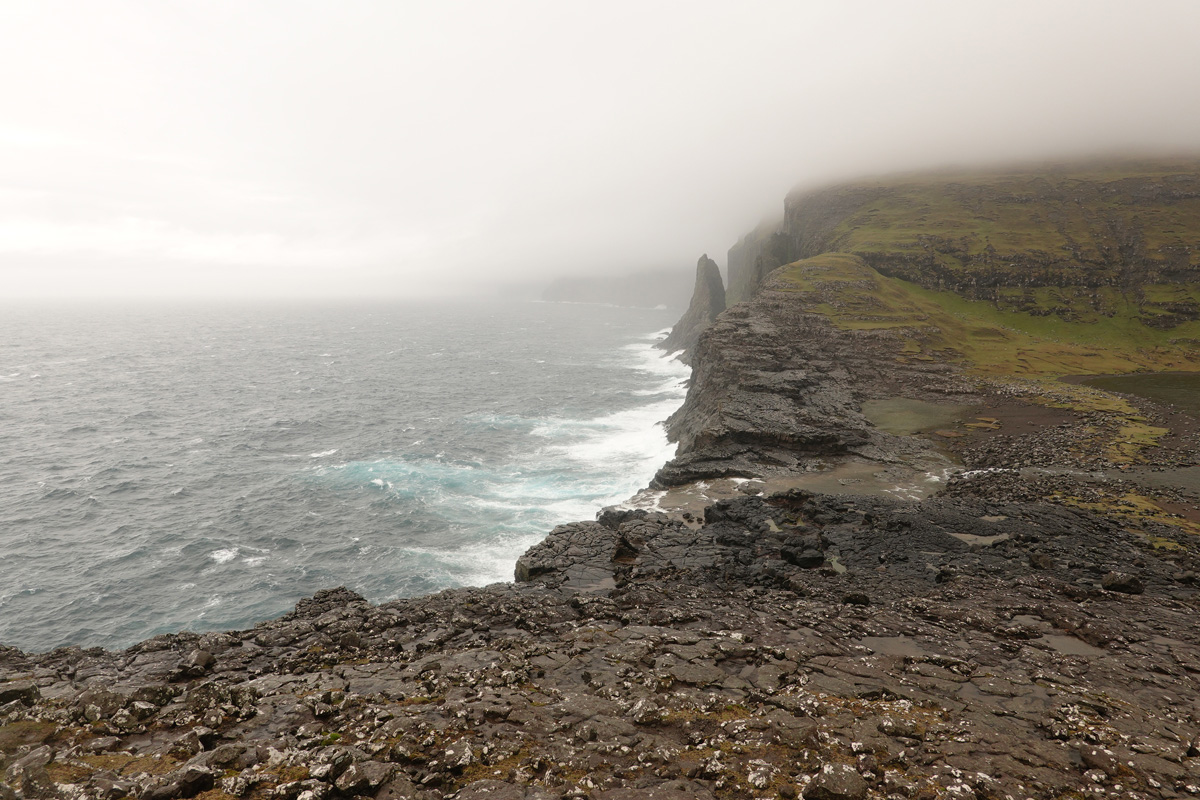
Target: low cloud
[313,146]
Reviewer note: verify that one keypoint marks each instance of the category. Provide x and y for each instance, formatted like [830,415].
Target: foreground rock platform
[795,646]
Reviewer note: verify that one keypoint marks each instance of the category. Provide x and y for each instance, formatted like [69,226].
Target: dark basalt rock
[775,389]
[700,663]
[708,300]
[1122,582]
[837,782]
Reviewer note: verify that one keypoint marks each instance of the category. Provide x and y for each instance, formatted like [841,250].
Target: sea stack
[708,300]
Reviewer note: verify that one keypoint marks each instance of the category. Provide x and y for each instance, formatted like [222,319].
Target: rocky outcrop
[983,235]
[775,388]
[708,300]
[794,646]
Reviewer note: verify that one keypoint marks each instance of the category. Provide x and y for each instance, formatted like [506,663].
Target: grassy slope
[996,343]
[984,336]
[1064,213]
[1069,273]
[1082,269]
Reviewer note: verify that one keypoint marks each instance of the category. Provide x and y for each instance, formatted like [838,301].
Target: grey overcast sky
[287,148]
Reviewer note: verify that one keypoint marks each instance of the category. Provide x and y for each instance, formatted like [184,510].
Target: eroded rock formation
[708,300]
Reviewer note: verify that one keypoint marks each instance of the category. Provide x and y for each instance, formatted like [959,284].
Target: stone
[1122,582]
[25,692]
[490,790]
[1041,561]
[805,559]
[364,777]
[1100,758]
[201,659]
[837,782]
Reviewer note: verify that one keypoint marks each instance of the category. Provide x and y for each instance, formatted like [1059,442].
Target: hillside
[1108,244]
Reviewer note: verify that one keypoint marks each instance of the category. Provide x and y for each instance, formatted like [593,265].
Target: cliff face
[1067,242]
[708,300]
[776,389]
[753,257]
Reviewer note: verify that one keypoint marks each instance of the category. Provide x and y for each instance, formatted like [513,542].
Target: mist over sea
[203,468]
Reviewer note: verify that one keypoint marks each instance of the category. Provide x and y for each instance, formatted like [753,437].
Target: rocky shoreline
[1027,629]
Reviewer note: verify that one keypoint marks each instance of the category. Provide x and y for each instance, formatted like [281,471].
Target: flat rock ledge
[802,645]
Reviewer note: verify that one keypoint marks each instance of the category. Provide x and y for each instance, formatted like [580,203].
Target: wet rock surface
[646,658]
[775,390]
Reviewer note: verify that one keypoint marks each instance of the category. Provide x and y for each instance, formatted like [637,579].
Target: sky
[290,149]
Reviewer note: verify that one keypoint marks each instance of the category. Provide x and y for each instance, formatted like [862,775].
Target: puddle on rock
[904,417]
[1068,645]
[846,476]
[1162,478]
[982,541]
[894,646]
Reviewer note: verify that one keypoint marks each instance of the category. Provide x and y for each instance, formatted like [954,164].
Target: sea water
[203,468]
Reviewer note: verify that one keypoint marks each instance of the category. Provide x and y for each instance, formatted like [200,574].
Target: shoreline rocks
[641,657]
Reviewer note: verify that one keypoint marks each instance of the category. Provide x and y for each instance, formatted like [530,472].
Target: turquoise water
[204,468]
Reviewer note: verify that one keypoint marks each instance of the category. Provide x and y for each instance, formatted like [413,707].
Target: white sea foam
[483,562]
[223,556]
[260,482]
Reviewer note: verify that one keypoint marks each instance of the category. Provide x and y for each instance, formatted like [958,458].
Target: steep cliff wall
[1075,242]
[753,257]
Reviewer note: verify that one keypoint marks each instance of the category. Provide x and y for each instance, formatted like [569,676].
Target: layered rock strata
[776,388]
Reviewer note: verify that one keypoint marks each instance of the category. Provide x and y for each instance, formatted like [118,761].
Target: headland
[895,556]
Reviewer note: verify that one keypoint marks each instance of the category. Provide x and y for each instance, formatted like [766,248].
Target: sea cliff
[993,595]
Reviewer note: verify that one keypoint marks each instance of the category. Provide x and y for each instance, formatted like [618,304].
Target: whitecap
[222,556]
[323,453]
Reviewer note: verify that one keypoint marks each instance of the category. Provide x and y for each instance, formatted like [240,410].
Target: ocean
[203,468]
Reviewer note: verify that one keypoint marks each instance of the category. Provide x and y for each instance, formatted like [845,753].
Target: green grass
[985,336]
[1077,244]
[1055,210]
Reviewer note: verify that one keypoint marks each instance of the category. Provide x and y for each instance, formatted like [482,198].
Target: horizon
[370,150]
